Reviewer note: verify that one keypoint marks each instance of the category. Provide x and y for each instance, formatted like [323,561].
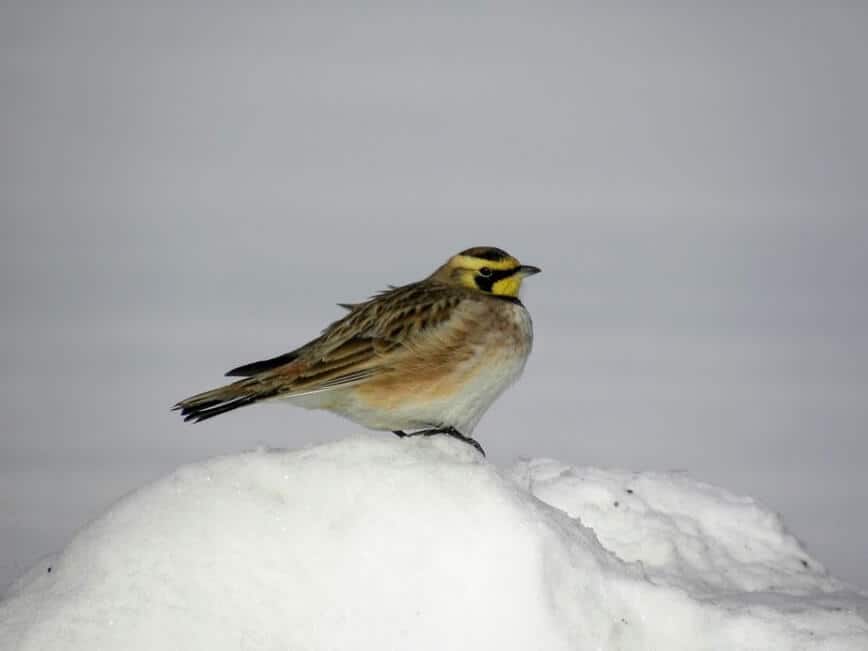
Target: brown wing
[349,351]
[356,346]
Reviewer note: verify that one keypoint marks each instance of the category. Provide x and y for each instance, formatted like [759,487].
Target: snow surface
[379,543]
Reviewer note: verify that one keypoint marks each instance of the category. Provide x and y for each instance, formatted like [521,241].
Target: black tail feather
[264,365]
[208,409]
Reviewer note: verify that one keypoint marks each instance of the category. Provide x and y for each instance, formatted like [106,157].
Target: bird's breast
[454,377]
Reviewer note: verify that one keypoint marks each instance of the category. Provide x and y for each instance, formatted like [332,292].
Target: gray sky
[186,189]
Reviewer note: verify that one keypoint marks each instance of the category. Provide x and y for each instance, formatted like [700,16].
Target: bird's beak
[528,270]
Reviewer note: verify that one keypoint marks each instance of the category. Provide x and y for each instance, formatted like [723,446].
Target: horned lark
[431,356]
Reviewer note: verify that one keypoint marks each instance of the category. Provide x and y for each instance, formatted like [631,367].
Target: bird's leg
[449,431]
[399,433]
[454,433]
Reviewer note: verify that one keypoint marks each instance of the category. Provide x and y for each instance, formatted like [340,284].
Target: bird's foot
[449,431]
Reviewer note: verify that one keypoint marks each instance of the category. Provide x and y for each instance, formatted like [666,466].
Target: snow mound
[388,544]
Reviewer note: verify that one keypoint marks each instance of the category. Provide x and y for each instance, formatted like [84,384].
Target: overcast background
[186,189]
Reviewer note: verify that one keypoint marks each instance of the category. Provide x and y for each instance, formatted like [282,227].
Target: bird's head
[485,269]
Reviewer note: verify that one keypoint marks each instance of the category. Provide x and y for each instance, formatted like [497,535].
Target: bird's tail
[218,401]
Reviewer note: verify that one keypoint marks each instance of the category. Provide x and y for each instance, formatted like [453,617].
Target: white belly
[466,409]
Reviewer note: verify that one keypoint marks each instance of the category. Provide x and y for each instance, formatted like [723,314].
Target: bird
[425,358]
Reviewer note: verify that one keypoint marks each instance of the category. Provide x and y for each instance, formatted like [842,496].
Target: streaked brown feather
[353,349]
[365,337]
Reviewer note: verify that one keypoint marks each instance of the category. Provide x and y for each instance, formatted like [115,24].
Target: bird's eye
[485,272]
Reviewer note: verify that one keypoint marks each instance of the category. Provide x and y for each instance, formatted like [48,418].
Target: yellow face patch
[498,277]
[508,286]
